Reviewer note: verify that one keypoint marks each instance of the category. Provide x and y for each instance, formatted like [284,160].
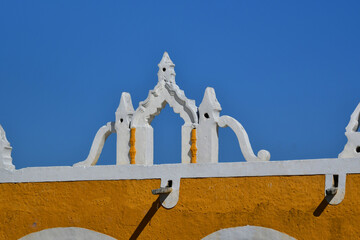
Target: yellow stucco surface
[126,208]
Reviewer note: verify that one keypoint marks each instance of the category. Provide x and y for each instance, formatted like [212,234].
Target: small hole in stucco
[121,120]
[169,183]
[164,69]
[336,180]
[358,149]
[206,115]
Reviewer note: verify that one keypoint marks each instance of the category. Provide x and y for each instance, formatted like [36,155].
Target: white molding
[333,166]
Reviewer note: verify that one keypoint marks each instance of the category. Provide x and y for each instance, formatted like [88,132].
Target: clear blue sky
[289,71]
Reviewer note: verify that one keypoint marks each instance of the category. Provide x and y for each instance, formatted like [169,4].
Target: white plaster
[331,166]
[170,200]
[340,193]
[186,143]
[166,71]
[243,139]
[123,117]
[102,134]
[69,233]
[5,151]
[165,92]
[144,145]
[350,150]
[207,131]
[353,143]
[248,233]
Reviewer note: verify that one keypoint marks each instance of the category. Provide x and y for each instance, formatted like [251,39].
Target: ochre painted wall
[126,208]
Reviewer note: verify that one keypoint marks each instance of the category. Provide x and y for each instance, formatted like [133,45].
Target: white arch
[248,233]
[69,233]
[165,91]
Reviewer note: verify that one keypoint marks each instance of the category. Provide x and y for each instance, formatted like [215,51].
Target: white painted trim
[248,233]
[67,233]
[174,171]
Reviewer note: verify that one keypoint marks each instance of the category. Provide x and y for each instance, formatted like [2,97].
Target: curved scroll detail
[102,134]
[243,138]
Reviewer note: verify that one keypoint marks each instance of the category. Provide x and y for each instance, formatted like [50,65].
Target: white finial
[352,147]
[5,151]
[166,69]
[125,109]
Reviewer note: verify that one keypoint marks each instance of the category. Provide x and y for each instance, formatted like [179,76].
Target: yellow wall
[122,208]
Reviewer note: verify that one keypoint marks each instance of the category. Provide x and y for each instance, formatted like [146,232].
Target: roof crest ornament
[166,71]
[5,151]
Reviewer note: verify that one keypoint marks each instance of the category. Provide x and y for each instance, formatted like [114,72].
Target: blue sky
[289,71]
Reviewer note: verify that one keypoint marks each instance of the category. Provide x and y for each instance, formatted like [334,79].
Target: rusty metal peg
[162,190]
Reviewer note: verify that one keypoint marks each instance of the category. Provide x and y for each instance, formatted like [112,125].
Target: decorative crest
[5,151]
[199,133]
[166,69]
[352,147]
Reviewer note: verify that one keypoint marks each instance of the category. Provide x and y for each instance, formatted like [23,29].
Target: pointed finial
[210,99]
[166,69]
[125,109]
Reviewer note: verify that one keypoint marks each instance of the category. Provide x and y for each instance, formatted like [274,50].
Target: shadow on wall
[324,203]
[149,215]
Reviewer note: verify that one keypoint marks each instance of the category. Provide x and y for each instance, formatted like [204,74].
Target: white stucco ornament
[352,147]
[199,133]
[5,151]
[335,184]
[123,116]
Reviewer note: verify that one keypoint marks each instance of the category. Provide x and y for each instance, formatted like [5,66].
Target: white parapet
[199,133]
